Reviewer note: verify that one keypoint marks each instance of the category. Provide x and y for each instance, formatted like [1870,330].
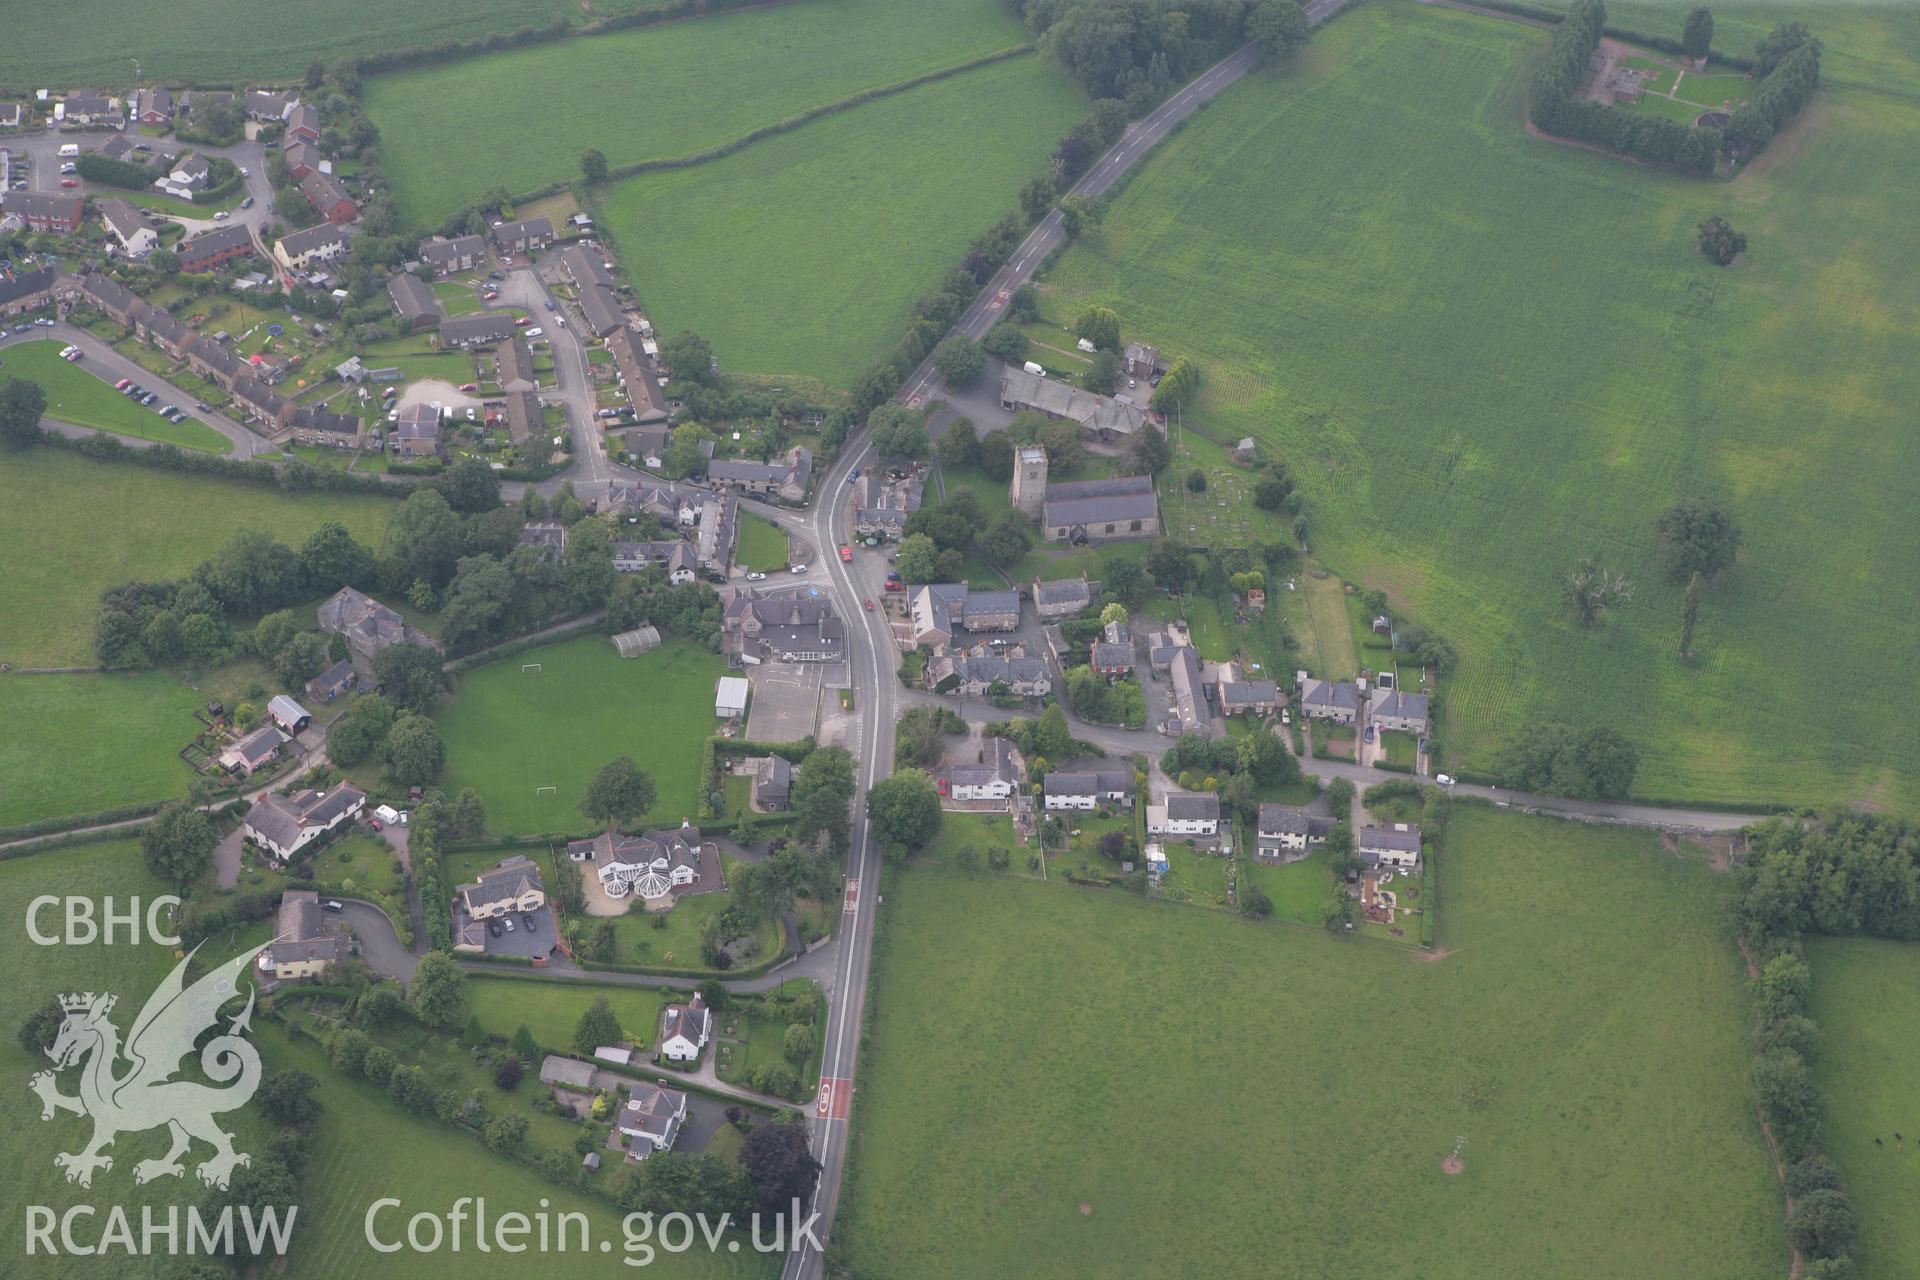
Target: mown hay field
[520,119]
[1486,356]
[804,253]
[1188,1093]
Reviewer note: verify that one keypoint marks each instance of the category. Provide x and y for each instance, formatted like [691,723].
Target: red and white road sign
[836,1097]
[853,895]
[999,299]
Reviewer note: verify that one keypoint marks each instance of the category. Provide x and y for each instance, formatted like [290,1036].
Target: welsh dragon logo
[144,1096]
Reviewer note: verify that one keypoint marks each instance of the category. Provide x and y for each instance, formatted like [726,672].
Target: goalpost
[528,666]
[546,791]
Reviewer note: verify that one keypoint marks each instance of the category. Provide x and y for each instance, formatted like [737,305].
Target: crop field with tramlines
[654,93]
[1486,356]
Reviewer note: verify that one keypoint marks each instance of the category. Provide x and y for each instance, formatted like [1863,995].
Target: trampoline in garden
[1712,120]
[275,330]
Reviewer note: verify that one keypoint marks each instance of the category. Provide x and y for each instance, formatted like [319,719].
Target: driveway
[379,944]
[226,858]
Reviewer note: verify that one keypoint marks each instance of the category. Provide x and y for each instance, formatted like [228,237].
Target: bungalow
[481,329]
[1397,846]
[786,480]
[304,940]
[1248,697]
[772,783]
[1327,700]
[302,159]
[303,122]
[26,291]
[1281,833]
[128,226]
[153,106]
[284,825]
[652,867]
[1185,815]
[1392,709]
[44,211]
[288,714]
[1086,790]
[524,415]
[335,681]
[651,1119]
[448,257]
[515,365]
[1106,418]
[299,250]
[413,301]
[249,753]
[328,197]
[88,107]
[1082,511]
[685,1029]
[511,886]
[215,248]
[996,777]
[1061,598]
[416,433]
[523,236]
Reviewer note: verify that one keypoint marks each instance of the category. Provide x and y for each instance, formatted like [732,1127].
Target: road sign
[999,299]
[836,1098]
[853,895]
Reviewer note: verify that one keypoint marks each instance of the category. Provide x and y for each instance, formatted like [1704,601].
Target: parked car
[529,924]
[334,904]
[798,568]
[247,203]
[493,927]
[550,305]
[469,387]
[536,332]
[221,216]
[523,322]
[509,923]
[69,167]
[496,275]
[123,384]
[244,173]
[69,182]
[756,576]
[846,555]
[203,406]
[1369,733]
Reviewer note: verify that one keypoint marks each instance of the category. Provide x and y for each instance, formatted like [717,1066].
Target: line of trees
[1555,107]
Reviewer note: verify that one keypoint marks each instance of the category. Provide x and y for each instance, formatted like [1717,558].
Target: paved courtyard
[786,697]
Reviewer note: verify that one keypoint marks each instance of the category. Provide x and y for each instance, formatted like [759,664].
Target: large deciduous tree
[438,990]
[1696,36]
[21,404]
[178,843]
[1590,590]
[1695,536]
[898,431]
[904,811]
[619,793]
[959,360]
[1279,29]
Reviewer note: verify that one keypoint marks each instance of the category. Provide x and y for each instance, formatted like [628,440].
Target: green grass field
[763,544]
[1523,364]
[1255,1100]
[1866,998]
[509,732]
[76,394]
[27,1172]
[551,1009]
[873,206]
[222,42]
[74,527]
[82,743]
[662,92]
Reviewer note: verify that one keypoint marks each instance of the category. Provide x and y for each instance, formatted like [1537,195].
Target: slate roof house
[247,754]
[1282,833]
[1338,702]
[684,1030]
[640,379]
[303,121]
[44,211]
[447,257]
[336,680]
[652,867]
[549,535]
[1062,597]
[268,104]
[328,197]
[481,329]
[287,824]
[1096,510]
[413,301]
[1397,846]
[941,611]
[128,226]
[676,555]
[304,940]
[772,783]
[298,250]
[1392,709]
[880,506]
[786,479]
[1111,658]
[514,363]
[26,291]
[416,432]
[369,627]
[996,777]
[153,106]
[785,628]
[1248,697]
[1185,815]
[302,158]
[651,1119]
[976,672]
[1068,790]
[1105,418]
[524,415]
[109,296]
[519,237]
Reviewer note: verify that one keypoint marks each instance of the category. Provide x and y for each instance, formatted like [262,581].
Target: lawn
[668,91]
[1299,890]
[1590,1055]
[1402,748]
[364,866]
[1866,998]
[510,732]
[671,939]
[75,394]
[111,869]
[61,556]
[82,743]
[873,206]
[551,1009]
[985,832]
[221,41]
[763,544]
[1522,365]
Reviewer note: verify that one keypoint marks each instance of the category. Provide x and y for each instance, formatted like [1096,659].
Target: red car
[524,321]
[846,554]
[123,384]
[940,785]
[869,604]
[69,182]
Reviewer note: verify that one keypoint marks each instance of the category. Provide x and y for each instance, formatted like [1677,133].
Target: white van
[70,149]
[1036,370]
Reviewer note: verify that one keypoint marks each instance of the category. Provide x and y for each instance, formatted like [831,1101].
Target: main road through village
[843,965]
